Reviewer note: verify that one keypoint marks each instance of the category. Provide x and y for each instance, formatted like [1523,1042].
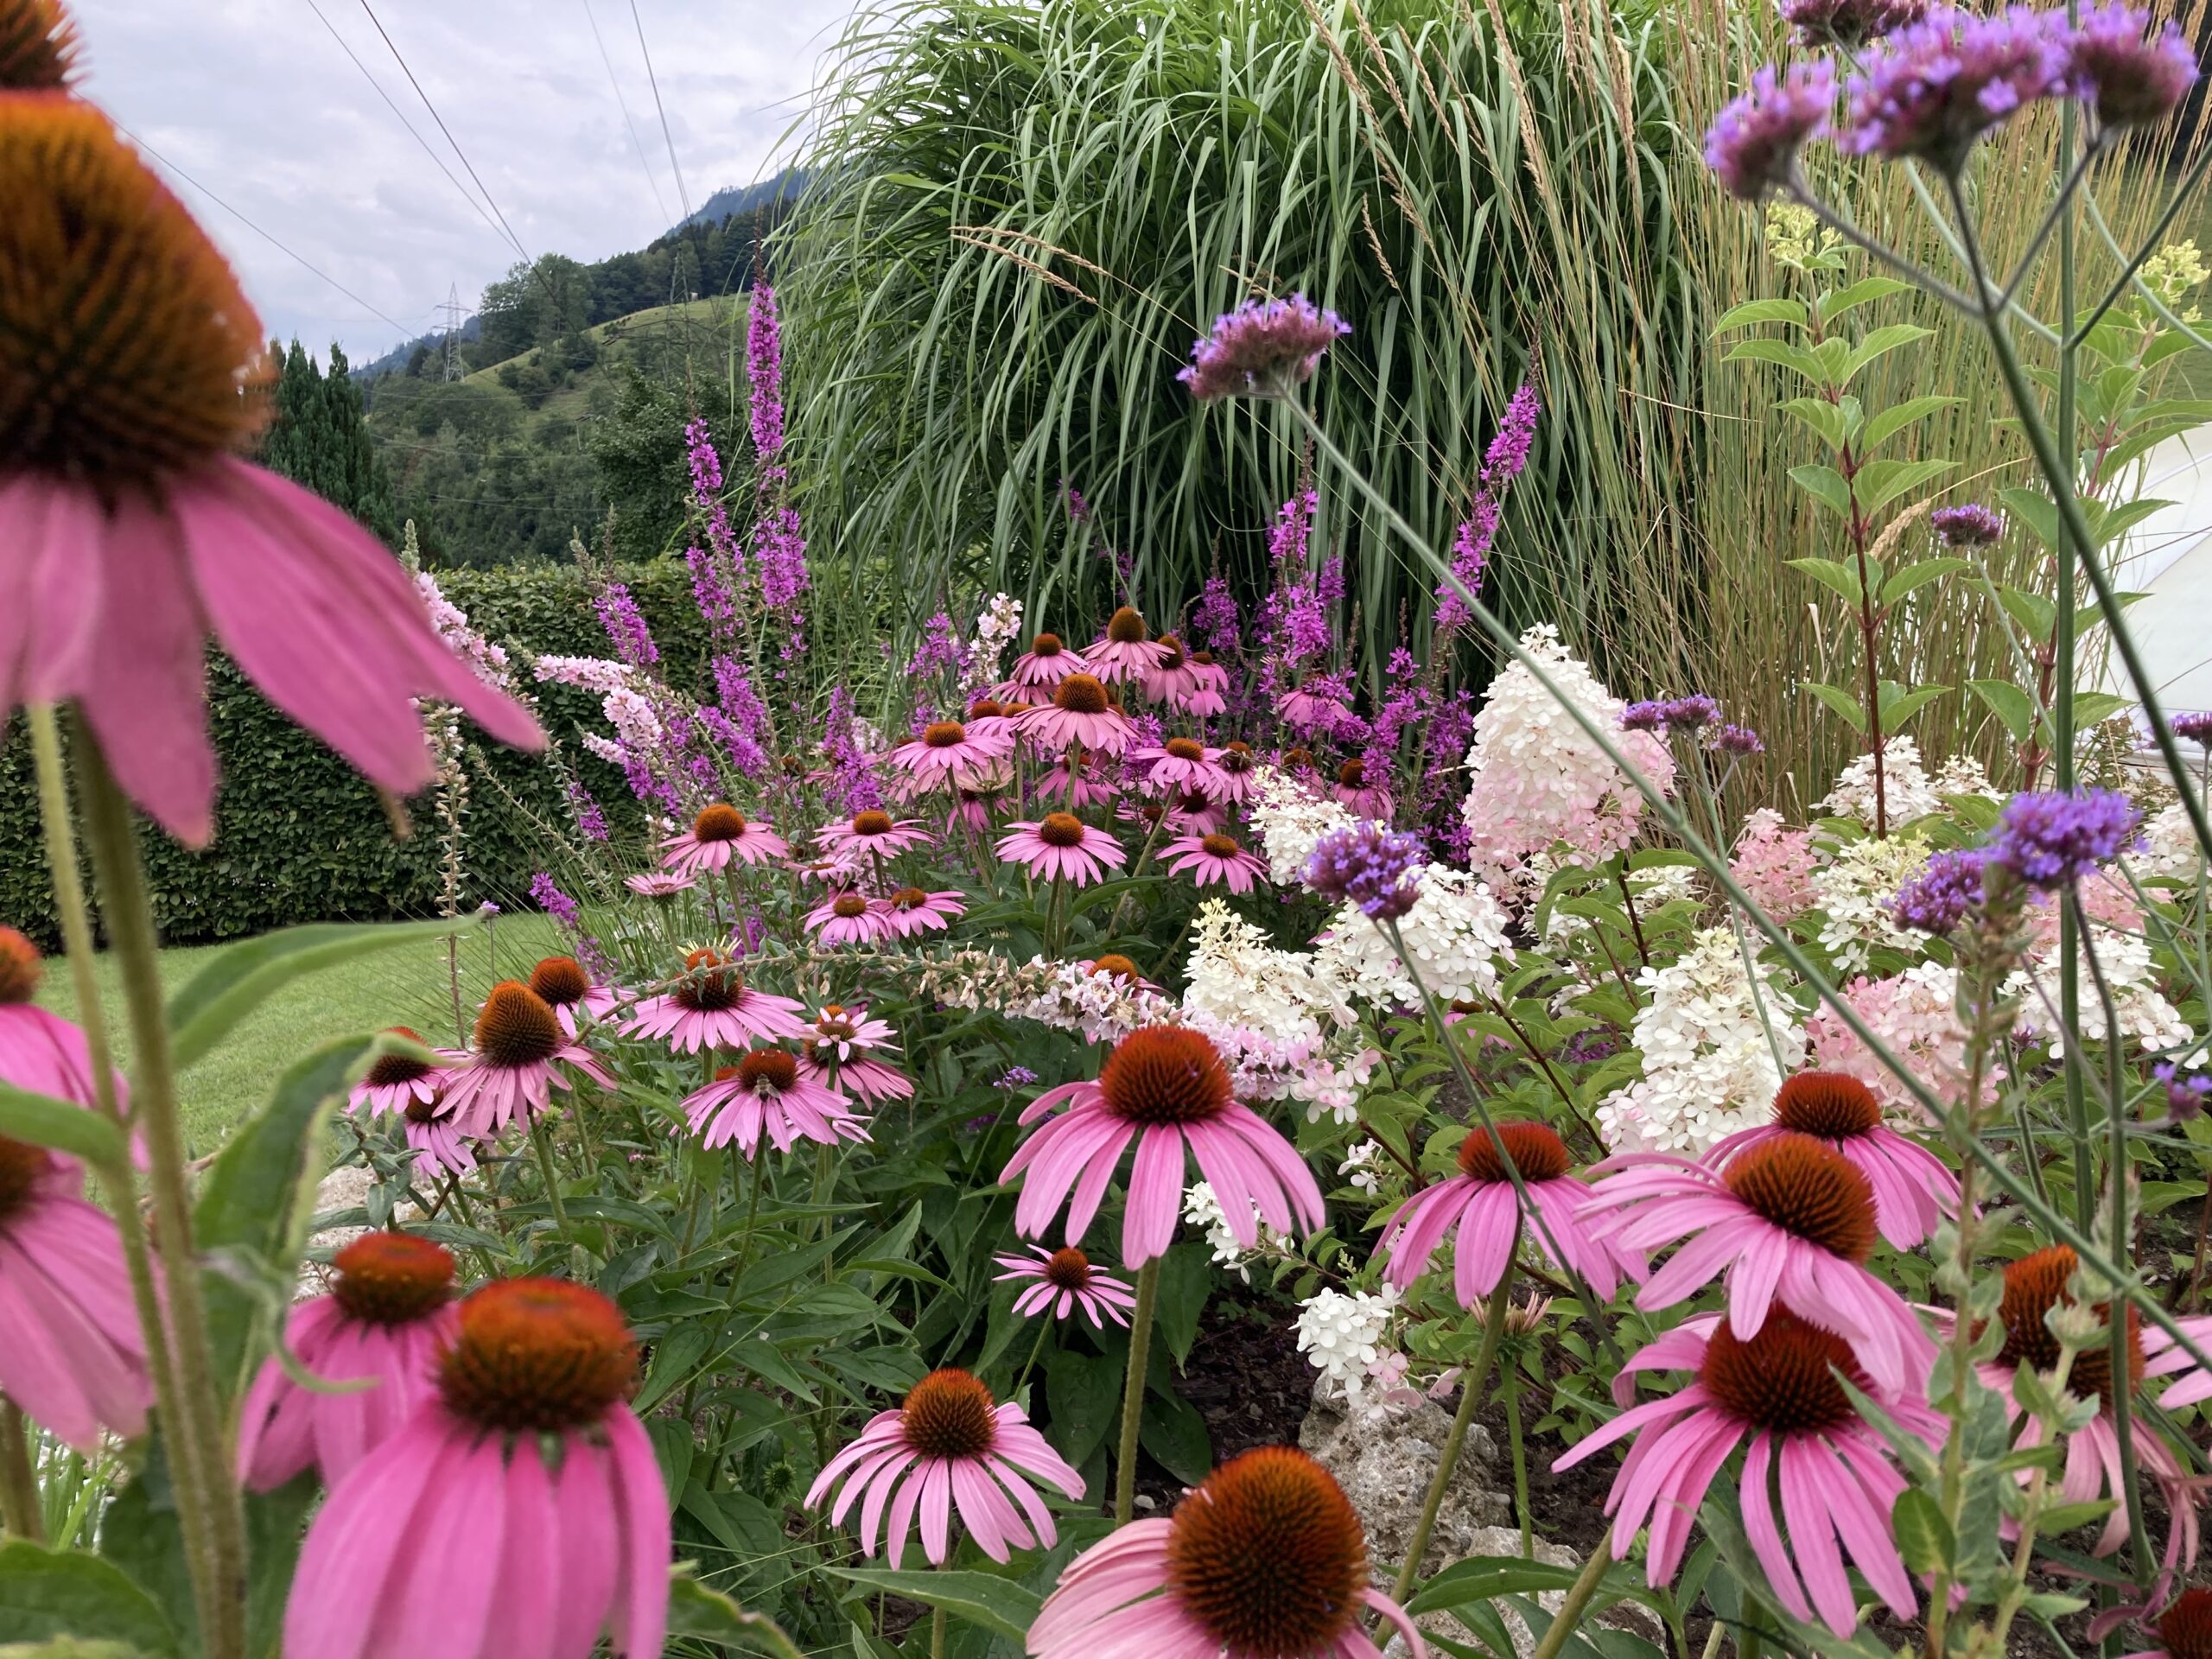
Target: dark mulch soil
[1247,1379]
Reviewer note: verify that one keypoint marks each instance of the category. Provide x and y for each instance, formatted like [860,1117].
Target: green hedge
[300,838]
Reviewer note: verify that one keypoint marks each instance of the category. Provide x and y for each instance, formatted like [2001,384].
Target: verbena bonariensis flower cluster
[928,1052]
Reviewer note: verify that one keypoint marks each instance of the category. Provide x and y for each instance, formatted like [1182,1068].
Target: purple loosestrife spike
[1971,525]
[1369,866]
[1848,23]
[1738,741]
[1502,462]
[1261,349]
[2050,841]
[2197,728]
[1938,899]
[1932,88]
[1752,145]
[2185,1096]
[764,370]
[626,627]
[2128,81]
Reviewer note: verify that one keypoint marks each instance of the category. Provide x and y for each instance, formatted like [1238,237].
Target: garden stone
[1384,1461]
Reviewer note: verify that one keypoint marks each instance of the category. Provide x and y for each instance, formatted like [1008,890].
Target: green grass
[407,985]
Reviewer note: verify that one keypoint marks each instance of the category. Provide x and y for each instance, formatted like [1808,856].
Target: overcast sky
[257,102]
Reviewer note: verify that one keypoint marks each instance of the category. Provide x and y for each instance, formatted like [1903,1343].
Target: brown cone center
[949,1414]
[1806,1187]
[1126,627]
[1783,1378]
[561,980]
[1080,694]
[1060,829]
[392,1278]
[515,1027]
[719,821]
[538,1355]
[1267,1557]
[944,734]
[1165,1074]
[1537,1149]
[1069,1268]
[1831,1104]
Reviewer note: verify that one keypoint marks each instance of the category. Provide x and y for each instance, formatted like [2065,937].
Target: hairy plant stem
[19,1500]
[1578,1598]
[199,1426]
[541,1146]
[1125,1466]
[1471,1384]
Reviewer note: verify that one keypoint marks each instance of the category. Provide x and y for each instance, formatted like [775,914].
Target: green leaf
[2035,615]
[1825,485]
[1783,355]
[1485,1577]
[1881,428]
[2108,524]
[1924,1537]
[2012,706]
[2036,511]
[1841,702]
[2090,707]
[1185,1282]
[1085,1394]
[1919,575]
[1878,344]
[1173,1432]
[693,1610]
[1858,294]
[243,976]
[42,1121]
[45,1594]
[1753,312]
[2059,1518]
[1829,422]
[1899,705]
[1880,482]
[1832,574]
[997,1605]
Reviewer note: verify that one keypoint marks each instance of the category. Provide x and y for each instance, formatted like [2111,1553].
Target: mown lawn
[406,985]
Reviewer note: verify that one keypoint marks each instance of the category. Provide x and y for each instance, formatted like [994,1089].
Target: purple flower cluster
[1072,498]
[1502,462]
[1369,866]
[549,898]
[1286,540]
[1971,525]
[626,625]
[1848,23]
[2185,1096]
[1933,87]
[590,818]
[2050,841]
[1215,623]
[715,568]
[1738,741]
[764,372]
[852,784]
[1261,349]
[1671,715]
[1939,898]
[1015,1077]
[2128,80]
[1752,145]
[940,651]
[2197,728]
[741,704]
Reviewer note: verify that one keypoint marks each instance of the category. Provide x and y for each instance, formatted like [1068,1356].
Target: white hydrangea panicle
[1856,892]
[1915,1015]
[996,625]
[1907,792]
[1342,1333]
[2169,851]
[1204,1211]
[1291,819]
[1237,976]
[1962,775]
[1455,934]
[1708,1067]
[1536,777]
[1662,884]
[2130,973]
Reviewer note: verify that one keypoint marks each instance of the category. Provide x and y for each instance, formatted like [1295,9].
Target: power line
[675,166]
[257,229]
[613,80]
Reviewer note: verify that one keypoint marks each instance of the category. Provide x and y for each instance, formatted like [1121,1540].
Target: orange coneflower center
[2033,1286]
[1267,1555]
[515,1027]
[1806,1187]
[1195,800]
[561,980]
[1170,650]
[873,823]
[387,1070]
[1126,627]
[848,904]
[1068,1269]
[1080,694]
[21,1166]
[1186,748]
[1783,1378]
[391,1278]
[909,898]
[38,47]
[1060,829]
[1164,1074]
[1831,1104]
[2185,1628]
[127,350]
[538,1356]
[708,985]
[1235,756]
[424,1111]
[1298,759]
[1219,846]
[1202,659]
[984,709]
[1537,1149]
[949,1414]
[768,1068]
[944,734]
[20,968]
[1352,774]
[721,821]
[1114,965]
[1045,644]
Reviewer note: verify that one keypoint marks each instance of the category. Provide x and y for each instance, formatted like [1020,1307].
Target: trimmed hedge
[300,838]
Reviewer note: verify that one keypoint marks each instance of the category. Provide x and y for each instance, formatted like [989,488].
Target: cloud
[255,101]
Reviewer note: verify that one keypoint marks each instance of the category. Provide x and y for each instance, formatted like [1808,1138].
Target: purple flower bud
[2050,841]
[1752,145]
[2197,728]
[2129,81]
[1649,715]
[2185,1096]
[1262,348]
[1938,899]
[1848,23]
[1370,867]
[1688,714]
[1738,741]
[1971,525]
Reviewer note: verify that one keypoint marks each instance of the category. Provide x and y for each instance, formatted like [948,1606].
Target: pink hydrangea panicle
[388,1316]
[770,1091]
[1063,1280]
[947,1452]
[1775,865]
[1166,1090]
[520,1510]
[517,1063]
[713,1007]
[719,837]
[1915,1015]
[40,1051]
[1061,845]
[1264,1558]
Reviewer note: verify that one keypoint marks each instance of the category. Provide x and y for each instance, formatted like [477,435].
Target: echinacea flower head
[1164,1089]
[659,884]
[872,831]
[1848,23]
[1777,1392]
[1480,1205]
[131,370]
[511,1068]
[1180,763]
[2184,1629]
[393,1082]
[1125,650]
[1970,526]
[1062,1282]
[40,1051]
[38,47]
[949,1451]
[1062,845]
[1047,662]
[1369,799]
[719,837]
[521,1510]
[387,1317]
[1261,349]
[1213,858]
[1913,1189]
[1208,694]
[712,1006]
[2050,840]
[1233,764]
[569,990]
[2128,80]
[1264,1558]
[1172,679]
[769,1092]
[948,749]
[1753,143]
[1368,865]
[1931,88]
[849,917]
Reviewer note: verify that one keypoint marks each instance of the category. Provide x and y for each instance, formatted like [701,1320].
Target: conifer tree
[318,438]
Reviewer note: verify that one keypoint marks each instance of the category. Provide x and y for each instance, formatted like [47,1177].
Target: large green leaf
[1085,1394]
[1172,1430]
[993,1604]
[45,1121]
[1752,312]
[1485,1577]
[45,1594]
[696,1611]
[1825,485]
[1835,575]
[2009,703]
[1924,1537]
[1881,428]
[1841,702]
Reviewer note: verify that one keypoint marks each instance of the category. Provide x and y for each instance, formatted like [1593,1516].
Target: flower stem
[1578,1598]
[1125,1469]
[1044,1330]
[543,1147]
[1520,1473]
[1472,1384]
[19,1500]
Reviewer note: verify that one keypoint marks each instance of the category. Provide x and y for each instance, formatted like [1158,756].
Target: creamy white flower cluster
[1455,934]
[1104,1008]
[1291,819]
[1285,1026]
[1203,1211]
[997,623]
[2169,850]
[1907,794]
[1342,1333]
[2124,959]
[1856,890]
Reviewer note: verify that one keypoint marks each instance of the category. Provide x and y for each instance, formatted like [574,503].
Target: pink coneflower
[1114,966]
[767,1092]
[1079,713]
[1790,1220]
[1214,857]
[1063,1280]
[1199,813]
[872,831]
[518,1040]
[719,837]
[1123,651]
[712,1006]
[1208,693]
[1913,1190]
[1264,1558]
[521,1510]
[947,1452]
[1060,844]
[1046,662]
[2184,1629]
[1164,1087]
[1778,1391]
[1234,762]
[973,807]
[437,1139]
[849,916]
[42,1051]
[1172,679]
[911,911]
[1180,763]
[395,1082]
[1481,1204]
[1370,800]
[1092,786]
[1149,815]
[1314,706]
[658,884]
[840,1054]
[988,715]
[388,1317]
[947,751]
[130,532]
[569,991]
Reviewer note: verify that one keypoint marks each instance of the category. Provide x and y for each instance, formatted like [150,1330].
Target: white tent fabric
[2169,557]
